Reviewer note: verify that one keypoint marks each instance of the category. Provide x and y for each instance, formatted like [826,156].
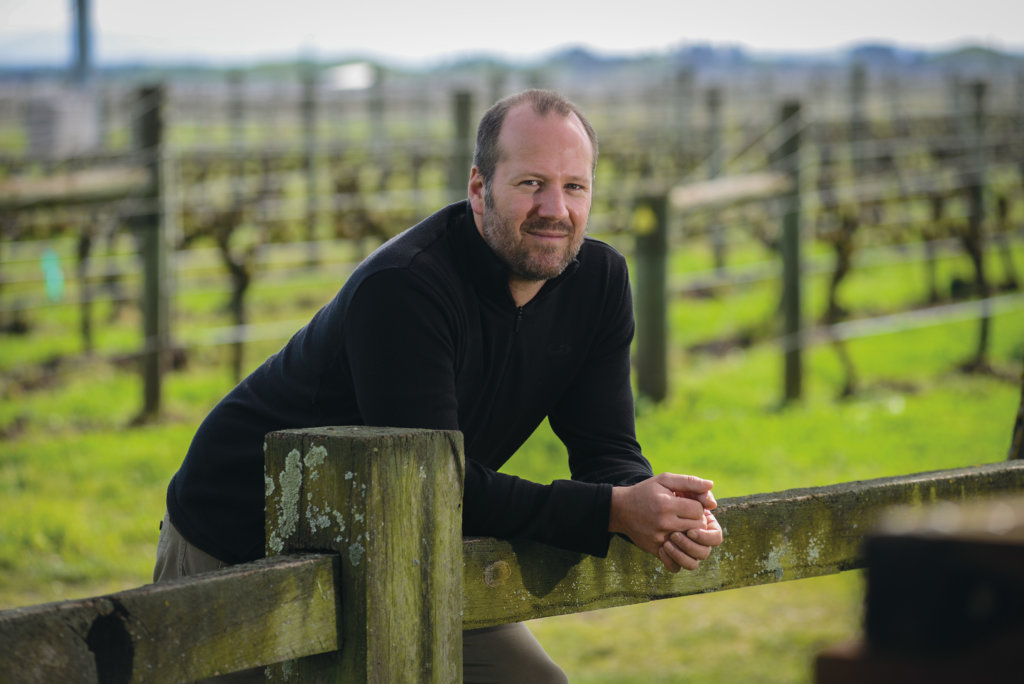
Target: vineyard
[265,194]
[848,240]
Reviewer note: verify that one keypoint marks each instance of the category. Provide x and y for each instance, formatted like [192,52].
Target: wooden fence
[363,580]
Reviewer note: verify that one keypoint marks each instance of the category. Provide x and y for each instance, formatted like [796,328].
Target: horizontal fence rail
[352,608]
[788,535]
[240,617]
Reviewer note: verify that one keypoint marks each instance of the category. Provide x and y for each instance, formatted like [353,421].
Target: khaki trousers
[505,654]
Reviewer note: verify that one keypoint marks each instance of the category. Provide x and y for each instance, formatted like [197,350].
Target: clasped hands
[668,516]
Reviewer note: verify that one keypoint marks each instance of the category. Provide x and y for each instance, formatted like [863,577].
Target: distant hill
[46,56]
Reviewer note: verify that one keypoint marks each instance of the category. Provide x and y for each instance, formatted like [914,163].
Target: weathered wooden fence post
[651,257]
[792,309]
[389,502]
[150,224]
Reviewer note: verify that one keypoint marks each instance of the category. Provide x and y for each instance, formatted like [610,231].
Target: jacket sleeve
[400,347]
[595,419]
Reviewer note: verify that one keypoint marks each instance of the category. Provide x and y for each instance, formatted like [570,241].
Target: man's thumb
[686,484]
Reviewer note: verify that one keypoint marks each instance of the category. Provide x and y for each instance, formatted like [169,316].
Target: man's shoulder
[592,244]
[419,254]
[597,255]
[404,248]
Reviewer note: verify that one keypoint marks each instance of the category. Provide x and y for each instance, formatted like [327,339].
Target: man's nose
[551,203]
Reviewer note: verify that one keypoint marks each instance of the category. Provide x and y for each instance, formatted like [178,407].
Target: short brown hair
[488,153]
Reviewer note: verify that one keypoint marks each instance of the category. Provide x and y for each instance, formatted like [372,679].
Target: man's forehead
[525,115]
[523,122]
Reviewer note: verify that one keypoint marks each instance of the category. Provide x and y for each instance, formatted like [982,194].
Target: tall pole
[81,39]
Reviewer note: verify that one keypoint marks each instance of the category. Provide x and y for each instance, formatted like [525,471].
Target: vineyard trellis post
[974,240]
[683,106]
[309,137]
[858,119]
[1016,451]
[716,229]
[150,224]
[651,278]
[792,308]
[236,122]
[462,152]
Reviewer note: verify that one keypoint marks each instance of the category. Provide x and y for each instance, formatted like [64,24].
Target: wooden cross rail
[244,616]
[729,191]
[383,598]
[84,186]
[789,535]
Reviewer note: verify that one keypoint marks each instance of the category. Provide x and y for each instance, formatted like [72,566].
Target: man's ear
[476,191]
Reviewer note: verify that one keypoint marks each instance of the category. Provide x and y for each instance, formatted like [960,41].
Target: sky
[431,31]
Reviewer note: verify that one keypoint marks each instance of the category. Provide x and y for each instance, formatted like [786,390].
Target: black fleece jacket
[425,334]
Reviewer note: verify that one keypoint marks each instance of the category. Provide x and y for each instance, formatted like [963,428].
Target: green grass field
[83,492]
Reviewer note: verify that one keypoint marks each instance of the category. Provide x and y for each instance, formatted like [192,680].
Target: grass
[82,493]
[757,634]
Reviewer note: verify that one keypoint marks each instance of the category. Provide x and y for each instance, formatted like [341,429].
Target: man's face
[534,211]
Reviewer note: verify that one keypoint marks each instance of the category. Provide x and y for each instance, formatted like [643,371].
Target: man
[486,317]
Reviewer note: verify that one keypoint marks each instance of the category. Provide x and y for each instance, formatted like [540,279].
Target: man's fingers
[687,510]
[707,499]
[709,535]
[666,559]
[686,484]
[679,556]
[686,543]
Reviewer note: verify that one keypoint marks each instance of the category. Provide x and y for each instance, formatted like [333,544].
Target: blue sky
[424,31]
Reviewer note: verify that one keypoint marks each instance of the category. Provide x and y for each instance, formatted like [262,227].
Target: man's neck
[524,290]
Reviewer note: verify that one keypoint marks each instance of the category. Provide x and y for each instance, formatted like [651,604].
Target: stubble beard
[536,262]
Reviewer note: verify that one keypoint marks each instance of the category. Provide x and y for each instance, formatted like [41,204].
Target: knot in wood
[497,573]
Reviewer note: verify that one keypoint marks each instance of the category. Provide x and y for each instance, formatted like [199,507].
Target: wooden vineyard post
[792,309]
[150,224]
[975,240]
[462,149]
[651,256]
[309,166]
[389,502]
[716,229]
[1017,435]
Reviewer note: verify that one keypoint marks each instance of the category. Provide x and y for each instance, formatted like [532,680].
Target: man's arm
[401,357]
[667,515]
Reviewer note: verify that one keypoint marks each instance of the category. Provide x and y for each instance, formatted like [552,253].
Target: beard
[525,260]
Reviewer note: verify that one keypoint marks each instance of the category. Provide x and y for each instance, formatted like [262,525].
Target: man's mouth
[548,231]
[548,234]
